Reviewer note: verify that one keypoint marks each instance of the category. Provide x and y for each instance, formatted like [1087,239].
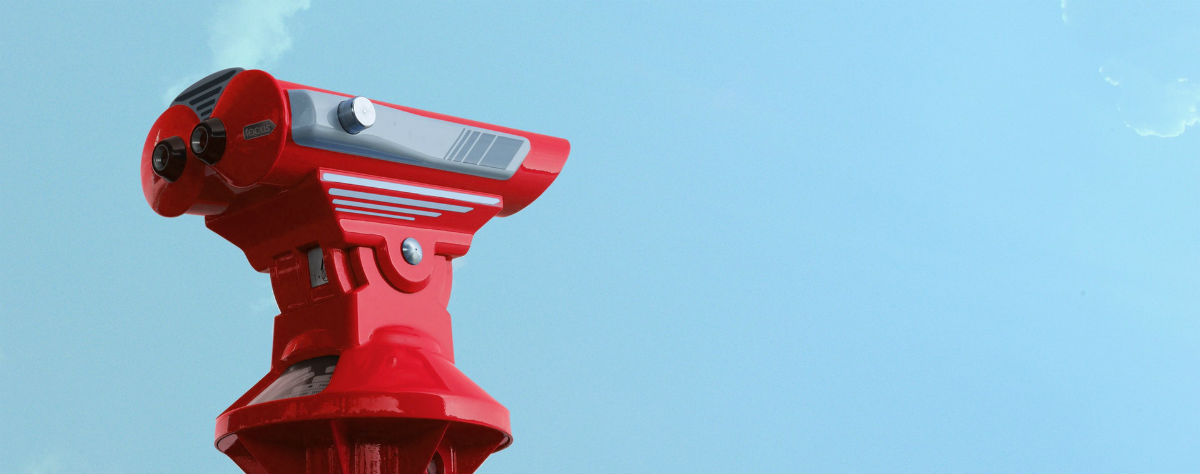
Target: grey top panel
[202,96]
[406,138]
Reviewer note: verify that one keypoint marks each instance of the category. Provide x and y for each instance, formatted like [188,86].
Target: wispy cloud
[252,33]
[1147,53]
[1153,106]
[245,33]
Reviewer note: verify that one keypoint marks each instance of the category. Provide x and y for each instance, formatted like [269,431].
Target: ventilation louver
[202,96]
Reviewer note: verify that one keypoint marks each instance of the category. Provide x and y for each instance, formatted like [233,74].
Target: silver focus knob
[356,114]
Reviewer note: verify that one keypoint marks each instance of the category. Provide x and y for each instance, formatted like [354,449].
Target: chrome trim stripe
[397,200]
[406,188]
[381,207]
[369,213]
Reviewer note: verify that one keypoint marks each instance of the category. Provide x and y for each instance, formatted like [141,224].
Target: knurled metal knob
[356,114]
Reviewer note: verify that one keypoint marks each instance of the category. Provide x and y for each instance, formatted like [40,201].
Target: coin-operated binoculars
[356,209]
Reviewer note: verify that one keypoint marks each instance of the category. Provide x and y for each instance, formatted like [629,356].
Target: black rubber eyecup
[169,158]
[208,140]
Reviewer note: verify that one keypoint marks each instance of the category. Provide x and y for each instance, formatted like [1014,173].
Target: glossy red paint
[395,402]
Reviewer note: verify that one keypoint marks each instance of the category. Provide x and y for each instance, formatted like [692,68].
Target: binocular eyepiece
[208,140]
[207,144]
[169,158]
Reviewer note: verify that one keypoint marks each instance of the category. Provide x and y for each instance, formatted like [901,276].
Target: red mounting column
[356,209]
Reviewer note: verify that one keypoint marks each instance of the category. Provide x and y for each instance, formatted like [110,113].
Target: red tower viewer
[356,209]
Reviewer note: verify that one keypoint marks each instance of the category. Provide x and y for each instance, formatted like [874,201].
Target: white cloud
[458,264]
[1109,79]
[1154,106]
[1147,53]
[245,33]
[252,33]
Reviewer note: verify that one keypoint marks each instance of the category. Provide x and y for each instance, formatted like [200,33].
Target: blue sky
[804,236]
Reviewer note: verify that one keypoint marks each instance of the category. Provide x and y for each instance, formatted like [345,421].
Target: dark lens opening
[168,158]
[200,137]
[159,158]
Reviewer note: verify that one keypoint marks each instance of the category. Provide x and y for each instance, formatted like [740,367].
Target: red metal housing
[395,401]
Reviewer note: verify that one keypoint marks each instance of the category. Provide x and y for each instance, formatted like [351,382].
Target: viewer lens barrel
[168,158]
[208,140]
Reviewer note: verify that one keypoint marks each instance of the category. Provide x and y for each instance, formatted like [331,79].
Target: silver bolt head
[356,115]
[411,249]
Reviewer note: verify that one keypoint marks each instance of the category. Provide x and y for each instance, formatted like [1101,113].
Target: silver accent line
[397,200]
[405,188]
[381,207]
[369,213]
[457,142]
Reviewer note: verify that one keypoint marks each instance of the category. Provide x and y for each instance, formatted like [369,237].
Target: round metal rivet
[411,249]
